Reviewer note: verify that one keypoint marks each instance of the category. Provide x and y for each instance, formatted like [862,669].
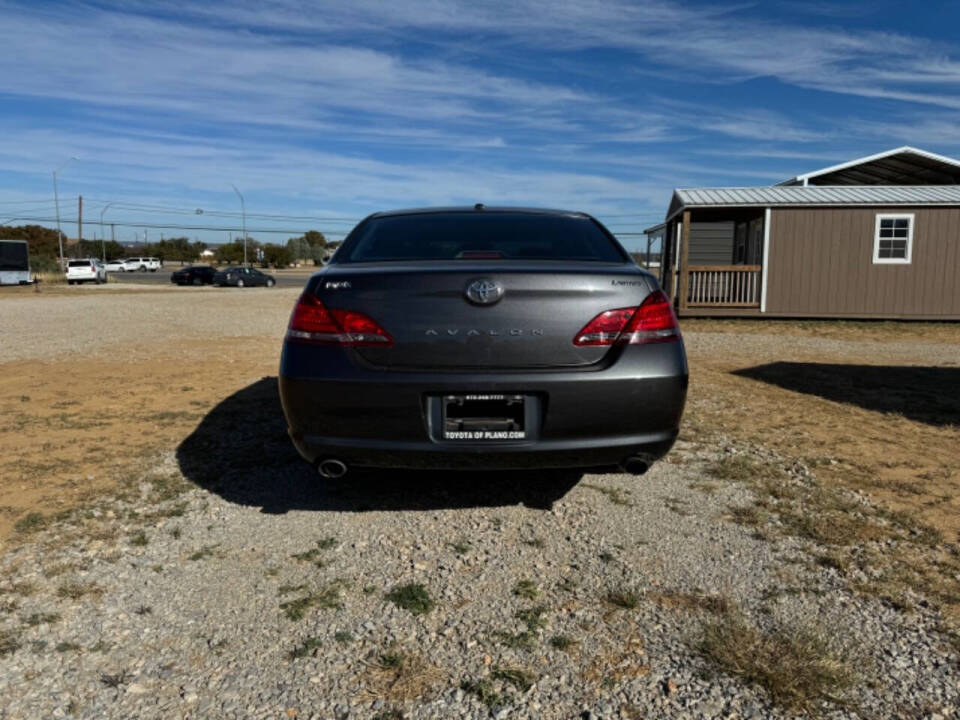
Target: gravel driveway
[263,593]
[225,580]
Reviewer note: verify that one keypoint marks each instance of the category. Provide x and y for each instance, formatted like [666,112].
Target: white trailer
[14,262]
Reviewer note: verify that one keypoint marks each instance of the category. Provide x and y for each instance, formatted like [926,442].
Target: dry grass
[799,668]
[526,589]
[9,642]
[741,468]
[878,331]
[624,599]
[397,676]
[613,665]
[77,590]
[679,600]
[848,437]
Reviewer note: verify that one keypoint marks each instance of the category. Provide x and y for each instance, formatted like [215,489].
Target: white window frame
[877,260]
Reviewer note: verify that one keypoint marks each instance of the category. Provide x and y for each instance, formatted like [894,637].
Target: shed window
[893,241]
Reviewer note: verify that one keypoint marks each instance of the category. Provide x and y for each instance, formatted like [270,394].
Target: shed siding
[821,264]
[711,243]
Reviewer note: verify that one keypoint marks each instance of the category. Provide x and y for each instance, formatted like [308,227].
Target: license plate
[484,417]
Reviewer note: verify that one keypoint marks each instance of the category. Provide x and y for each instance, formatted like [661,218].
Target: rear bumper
[338,406]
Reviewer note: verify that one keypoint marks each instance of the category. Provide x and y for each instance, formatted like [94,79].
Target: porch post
[765,269]
[683,287]
[666,257]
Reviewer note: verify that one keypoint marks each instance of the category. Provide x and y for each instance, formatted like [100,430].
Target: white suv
[81,271]
[142,264]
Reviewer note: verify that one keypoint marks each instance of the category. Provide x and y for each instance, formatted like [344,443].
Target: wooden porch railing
[723,286]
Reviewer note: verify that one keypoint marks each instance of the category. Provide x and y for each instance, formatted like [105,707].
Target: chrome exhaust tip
[331,468]
[636,466]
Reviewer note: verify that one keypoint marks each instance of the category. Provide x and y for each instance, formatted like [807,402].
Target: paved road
[162,277]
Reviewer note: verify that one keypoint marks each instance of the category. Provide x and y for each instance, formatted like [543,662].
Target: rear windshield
[468,236]
[80,263]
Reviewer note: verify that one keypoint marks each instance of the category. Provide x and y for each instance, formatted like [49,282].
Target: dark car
[243,277]
[194,275]
[482,338]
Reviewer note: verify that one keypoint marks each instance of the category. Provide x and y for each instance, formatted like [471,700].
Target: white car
[142,264]
[116,266]
[90,270]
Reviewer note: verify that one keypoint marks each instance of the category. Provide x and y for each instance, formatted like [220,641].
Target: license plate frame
[484,417]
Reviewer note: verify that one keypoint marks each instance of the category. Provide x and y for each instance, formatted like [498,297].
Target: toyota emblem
[484,291]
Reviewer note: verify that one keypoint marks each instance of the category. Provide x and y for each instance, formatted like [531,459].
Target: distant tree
[276,255]
[42,241]
[97,249]
[315,238]
[299,249]
[309,246]
[174,249]
[232,253]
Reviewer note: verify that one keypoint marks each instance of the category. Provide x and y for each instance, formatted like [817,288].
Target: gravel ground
[226,580]
[188,619]
[91,321]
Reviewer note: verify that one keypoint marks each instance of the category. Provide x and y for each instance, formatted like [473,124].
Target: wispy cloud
[356,106]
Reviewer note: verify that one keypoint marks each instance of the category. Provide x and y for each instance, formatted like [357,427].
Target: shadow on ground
[926,394]
[241,451]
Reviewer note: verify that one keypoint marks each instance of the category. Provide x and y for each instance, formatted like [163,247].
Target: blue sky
[334,110]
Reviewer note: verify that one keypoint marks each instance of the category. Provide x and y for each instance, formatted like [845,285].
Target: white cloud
[361,105]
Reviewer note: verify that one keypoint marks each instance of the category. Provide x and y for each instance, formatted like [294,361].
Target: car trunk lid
[425,309]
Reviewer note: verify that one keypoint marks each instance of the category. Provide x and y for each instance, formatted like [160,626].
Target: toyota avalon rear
[482,338]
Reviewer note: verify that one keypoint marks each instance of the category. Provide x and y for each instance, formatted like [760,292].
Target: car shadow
[241,451]
[929,395]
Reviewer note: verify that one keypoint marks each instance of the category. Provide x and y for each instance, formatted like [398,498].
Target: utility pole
[56,200]
[113,236]
[80,220]
[243,213]
[103,244]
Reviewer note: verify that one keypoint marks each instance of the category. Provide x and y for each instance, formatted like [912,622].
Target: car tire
[239,283]
[198,281]
[142,268]
[270,283]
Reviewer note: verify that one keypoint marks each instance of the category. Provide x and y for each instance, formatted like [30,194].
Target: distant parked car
[194,275]
[142,264]
[243,277]
[81,271]
[116,266]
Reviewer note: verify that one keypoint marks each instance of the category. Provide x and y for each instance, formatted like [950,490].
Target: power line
[161,226]
[168,209]
[48,201]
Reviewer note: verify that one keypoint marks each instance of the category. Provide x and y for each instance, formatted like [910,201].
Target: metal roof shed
[815,251]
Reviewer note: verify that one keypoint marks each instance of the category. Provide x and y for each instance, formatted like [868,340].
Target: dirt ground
[872,406]
[875,406]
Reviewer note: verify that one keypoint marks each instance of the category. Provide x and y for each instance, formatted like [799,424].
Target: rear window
[80,263]
[479,235]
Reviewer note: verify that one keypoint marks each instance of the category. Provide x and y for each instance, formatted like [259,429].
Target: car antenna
[478,206]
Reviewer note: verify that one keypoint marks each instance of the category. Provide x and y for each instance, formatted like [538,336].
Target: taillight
[313,322]
[652,322]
